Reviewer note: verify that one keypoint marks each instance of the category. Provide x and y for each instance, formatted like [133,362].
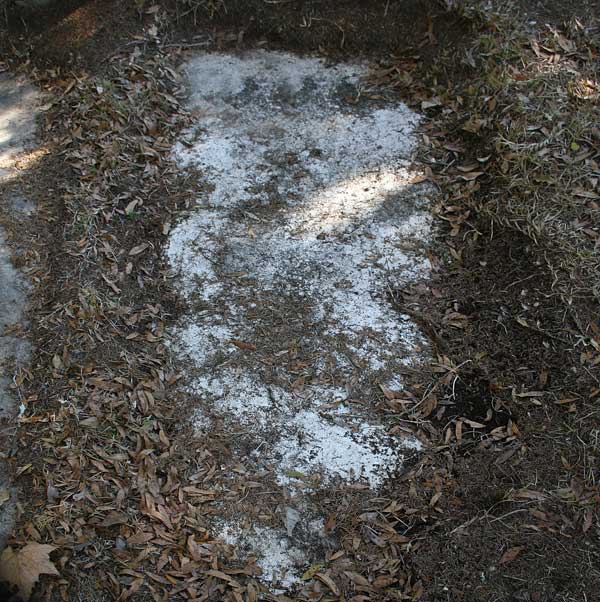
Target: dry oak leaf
[23,568]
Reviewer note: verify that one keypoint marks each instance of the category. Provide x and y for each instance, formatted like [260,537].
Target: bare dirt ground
[502,504]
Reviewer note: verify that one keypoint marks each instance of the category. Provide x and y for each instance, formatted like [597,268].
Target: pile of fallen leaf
[101,480]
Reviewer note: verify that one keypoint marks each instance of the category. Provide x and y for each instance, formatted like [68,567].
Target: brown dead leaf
[139,249]
[23,568]
[428,405]
[468,167]
[528,494]
[328,581]
[389,394]
[330,523]
[243,345]
[511,554]
[435,499]
[140,538]
[114,518]
[112,285]
[566,44]
[384,581]
[223,576]
[420,178]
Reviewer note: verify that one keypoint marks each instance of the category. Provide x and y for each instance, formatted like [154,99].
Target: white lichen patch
[317,446]
[280,561]
[307,220]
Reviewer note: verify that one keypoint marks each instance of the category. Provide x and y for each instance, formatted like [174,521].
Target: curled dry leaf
[24,567]
[329,582]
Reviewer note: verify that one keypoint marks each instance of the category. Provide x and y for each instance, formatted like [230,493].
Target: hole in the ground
[471,397]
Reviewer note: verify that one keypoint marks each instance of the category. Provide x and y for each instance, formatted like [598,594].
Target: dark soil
[344,28]
[70,35]
[502,280]
[80,34]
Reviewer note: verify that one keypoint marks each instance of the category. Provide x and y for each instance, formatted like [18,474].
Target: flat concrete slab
[19,103]
[307,218]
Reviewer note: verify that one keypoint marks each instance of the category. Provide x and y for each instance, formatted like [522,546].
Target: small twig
[188,45]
